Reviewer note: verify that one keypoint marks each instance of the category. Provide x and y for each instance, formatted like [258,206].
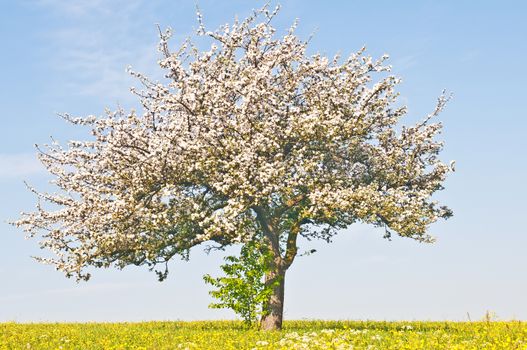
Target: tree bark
[274,308]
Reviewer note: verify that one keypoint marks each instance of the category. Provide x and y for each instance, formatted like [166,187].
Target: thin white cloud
[469,56]
[91,52]
[406,62]
[77,8]
[19,165]
[375,259]
[76,291]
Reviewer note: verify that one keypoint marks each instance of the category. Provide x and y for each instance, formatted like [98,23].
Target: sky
[70,56]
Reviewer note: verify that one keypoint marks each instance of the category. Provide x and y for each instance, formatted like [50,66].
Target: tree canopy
[252,137]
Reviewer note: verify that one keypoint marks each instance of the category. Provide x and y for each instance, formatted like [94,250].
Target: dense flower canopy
[251,136]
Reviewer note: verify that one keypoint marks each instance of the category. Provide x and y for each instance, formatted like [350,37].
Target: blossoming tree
[253,138]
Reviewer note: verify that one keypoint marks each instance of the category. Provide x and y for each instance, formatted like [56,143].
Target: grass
[295,335]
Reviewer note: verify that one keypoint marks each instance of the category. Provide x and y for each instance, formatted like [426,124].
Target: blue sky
[70,56]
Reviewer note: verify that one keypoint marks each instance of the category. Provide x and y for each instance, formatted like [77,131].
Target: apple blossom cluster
[253,136]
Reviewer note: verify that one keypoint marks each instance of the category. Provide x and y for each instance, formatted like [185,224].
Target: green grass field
[295,335]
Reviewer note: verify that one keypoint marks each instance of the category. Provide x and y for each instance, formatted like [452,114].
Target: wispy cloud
[406,62]
[78,290]
[96,41]
[469,56]
[19,165]
[76,8]
[374,259]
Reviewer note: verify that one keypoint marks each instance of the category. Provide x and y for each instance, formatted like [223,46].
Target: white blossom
[253,135]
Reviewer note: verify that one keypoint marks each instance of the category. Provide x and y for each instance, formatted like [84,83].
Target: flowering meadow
[295,335]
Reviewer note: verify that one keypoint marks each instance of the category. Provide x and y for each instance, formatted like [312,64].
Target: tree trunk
[274,308]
